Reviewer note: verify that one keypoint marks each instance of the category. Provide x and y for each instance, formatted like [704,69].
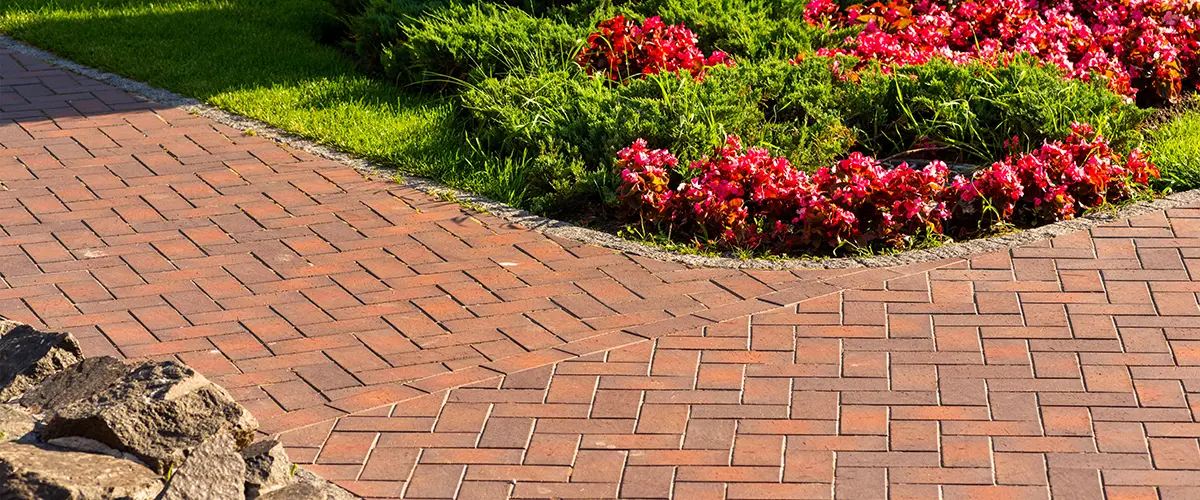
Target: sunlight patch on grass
[1175,148]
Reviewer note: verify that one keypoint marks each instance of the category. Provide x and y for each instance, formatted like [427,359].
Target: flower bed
[744,198]
[1134,45]
[745,125]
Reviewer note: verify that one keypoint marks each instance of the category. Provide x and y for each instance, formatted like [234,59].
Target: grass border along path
[265,59]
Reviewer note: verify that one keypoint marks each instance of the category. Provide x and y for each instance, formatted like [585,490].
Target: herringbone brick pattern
[406,347]
[1067,370]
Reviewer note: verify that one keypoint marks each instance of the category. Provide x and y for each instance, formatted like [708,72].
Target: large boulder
[159,411]
[75,383]
[29,472]
[268,467]
[15,424]
[27,356]
[213,471]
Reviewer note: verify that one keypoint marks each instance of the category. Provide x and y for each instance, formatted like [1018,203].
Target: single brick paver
[410,348]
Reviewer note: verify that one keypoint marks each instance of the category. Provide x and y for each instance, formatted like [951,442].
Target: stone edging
[561,229]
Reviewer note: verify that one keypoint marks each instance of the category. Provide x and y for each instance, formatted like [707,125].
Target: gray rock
[75,383]
[27,356]
[15,424]
[43,472]
[267,468]
[158,411]
[308,486]
[85,445]
[213,471]
[297,491]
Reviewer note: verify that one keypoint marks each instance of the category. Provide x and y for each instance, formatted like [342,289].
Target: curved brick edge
[554,227]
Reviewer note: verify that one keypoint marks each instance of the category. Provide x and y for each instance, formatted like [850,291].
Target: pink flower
[1150,43]
[745,198]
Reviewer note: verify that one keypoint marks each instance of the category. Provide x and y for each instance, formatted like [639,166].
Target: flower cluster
[1133,45]
[1054,182]
[620,49]
[645,179]
[745,198]
[736,190]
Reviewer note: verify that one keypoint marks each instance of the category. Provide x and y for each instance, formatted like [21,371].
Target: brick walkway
[405,347]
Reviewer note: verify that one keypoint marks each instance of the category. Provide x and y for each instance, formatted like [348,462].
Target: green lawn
[263,59]
[1175,148]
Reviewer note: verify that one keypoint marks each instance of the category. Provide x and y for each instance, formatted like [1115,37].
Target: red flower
[621,49]
[745,198]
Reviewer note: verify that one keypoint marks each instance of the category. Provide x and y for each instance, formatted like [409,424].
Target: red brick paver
[406,347]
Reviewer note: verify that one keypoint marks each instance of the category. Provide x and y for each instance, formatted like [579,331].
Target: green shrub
[345,9]
[965,113]
[477,41]
[802,103]
[380,23]
[749,30]
[572,125]
[740,27]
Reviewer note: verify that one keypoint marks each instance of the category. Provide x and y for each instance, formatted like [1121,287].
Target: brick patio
[406,347]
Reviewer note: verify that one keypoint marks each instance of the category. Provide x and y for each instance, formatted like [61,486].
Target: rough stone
[213,471]
[15,424]
[27,356]
[75,383]
[267,467]
[44,472]
[86,445]
[307,486]
[8,325]
[158,411]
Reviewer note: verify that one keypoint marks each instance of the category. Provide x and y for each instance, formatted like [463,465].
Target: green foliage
[375,24]
[569,126]
[1175,148]
[477,41]
[747,29]
[802,107]
[524,99]
[572,125]
[965,113]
